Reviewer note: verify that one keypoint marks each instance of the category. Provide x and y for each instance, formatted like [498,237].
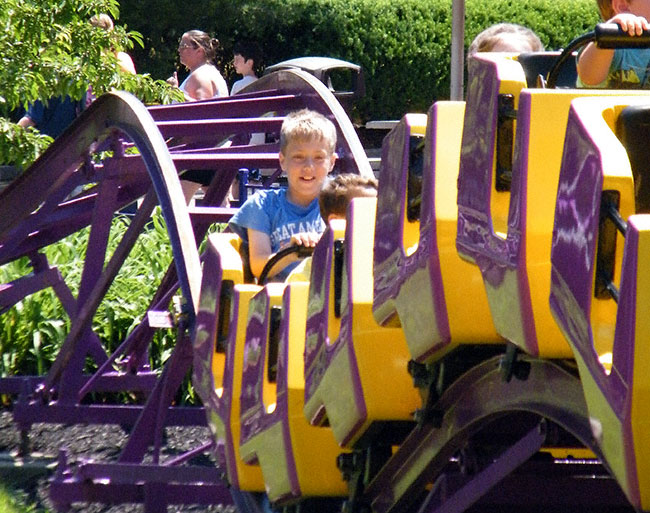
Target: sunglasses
[182,46]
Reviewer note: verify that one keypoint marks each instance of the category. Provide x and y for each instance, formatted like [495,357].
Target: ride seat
[361,378]
[218,342]
[297,460]
[420,281]
[633,130]
[609,339]
[535,64]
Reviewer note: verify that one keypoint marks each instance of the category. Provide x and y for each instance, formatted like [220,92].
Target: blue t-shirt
[56,117]
[272,213]
[630,69]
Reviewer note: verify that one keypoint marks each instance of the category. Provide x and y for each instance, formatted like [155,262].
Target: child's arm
[259,250]
[594,63]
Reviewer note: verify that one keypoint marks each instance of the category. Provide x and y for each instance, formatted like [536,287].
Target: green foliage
[18,145]
[32,331]
[16,501]
[49,49]
[403,45]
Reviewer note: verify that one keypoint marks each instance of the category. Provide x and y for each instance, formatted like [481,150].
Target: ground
[101,442]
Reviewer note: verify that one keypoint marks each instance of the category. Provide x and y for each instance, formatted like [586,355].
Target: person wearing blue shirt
[278,218]
[621,68]
[51,118]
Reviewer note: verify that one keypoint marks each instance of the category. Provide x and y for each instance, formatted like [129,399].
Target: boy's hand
[307,239]
[630,23]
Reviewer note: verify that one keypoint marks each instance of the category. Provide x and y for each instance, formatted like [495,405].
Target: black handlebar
[610,35]
[606,36]
[303,252]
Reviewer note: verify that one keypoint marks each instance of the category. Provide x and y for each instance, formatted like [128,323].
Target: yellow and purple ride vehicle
[471,339]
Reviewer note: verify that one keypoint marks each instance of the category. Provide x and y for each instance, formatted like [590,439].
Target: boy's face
[306,163]
[242,66]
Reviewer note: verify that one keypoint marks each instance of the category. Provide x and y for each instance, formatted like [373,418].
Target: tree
[48,48]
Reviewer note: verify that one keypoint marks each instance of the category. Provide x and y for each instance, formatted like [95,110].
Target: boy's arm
[259,250]
[594,63]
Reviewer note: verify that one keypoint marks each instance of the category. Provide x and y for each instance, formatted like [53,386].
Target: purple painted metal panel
[479,396]
[345,340]
[476,238]
[487,478]
[622,375]
[573,253]
[282,392]
[575,238]
[318,351]
[255,418]
[316,338]
[392,268]
[253,410]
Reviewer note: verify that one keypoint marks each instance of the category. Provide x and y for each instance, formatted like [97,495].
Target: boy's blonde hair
[307,125]
[338,192]
[605,8]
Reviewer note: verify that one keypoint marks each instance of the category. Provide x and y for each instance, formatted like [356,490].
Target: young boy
[623,68]
[274,219]
[246,57]
[338,192]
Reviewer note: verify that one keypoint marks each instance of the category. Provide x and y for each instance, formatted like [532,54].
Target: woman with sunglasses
[197,51]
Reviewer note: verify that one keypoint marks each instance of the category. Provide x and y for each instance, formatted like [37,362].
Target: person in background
[339,191]
[506,37]
[246,58]
[124,60]
[623,68]
[274,219]
[197,51]
[53,116]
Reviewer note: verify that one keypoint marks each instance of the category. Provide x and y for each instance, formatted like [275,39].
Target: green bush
[403,45]
[32,331]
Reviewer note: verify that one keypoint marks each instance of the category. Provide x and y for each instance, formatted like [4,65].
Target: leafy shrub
[403,45]
[32,331]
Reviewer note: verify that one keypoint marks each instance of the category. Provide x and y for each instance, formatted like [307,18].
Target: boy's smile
[306,163]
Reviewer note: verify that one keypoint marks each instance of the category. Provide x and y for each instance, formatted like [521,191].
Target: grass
[12,501]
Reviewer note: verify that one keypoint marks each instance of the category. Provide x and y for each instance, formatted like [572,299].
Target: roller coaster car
[602,182]
[297,460]
[347,379]
[420,282]
[506,203]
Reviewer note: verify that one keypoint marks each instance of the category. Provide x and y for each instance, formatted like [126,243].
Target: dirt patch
[30,475]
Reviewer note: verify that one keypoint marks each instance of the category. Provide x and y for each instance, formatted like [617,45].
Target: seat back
[323,310]
[420,281]
[297,460]
[360,379]
[218,341]
[633,129]
[609,340]
[540,63]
